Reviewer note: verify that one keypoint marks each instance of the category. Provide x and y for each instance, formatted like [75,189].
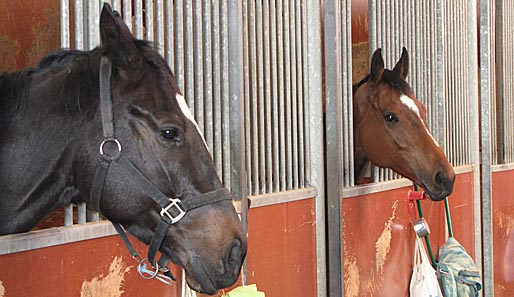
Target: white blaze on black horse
[390,130]
[50,132]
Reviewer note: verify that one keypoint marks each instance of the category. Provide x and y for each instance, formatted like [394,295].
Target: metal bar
[169,36]
[287,97]
[127,13]
[281,95]
[334,24]
[237,130]
[247,97]
[485,139]
[226,103]
[259,82]
[149,18]
[294,95]
[266,9]
[196,60]
[314,135]
[216,88]
[159,26]
[207,76]
[274,97]
[301,48]
[79,25]
[189,81]
[138,19]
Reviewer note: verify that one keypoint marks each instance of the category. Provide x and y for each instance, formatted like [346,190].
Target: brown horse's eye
[391,118]
[170,134]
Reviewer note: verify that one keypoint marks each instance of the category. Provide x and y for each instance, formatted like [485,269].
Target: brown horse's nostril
[439,179]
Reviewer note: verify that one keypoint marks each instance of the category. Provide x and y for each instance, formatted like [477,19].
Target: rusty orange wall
[99,267]
[28,30]
[379,240]
[282,249]
[503,233]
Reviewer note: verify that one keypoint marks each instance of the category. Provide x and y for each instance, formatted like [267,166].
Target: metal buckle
[174,203]
[116,154]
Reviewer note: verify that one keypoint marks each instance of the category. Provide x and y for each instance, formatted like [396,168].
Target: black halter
[172,209]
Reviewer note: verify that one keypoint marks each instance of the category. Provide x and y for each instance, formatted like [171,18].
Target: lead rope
[448,221]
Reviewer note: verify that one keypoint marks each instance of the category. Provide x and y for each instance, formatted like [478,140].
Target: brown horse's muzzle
[440,185]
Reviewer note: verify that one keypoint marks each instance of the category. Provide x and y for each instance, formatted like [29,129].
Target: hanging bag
[423,282]
[458,273]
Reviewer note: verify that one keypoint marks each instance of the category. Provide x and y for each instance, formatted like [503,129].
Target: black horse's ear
[377,66]
[117,42]
[402,67]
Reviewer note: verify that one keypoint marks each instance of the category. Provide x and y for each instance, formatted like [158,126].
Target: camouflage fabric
[457,272]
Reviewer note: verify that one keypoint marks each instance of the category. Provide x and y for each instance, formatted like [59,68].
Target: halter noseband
[172,209]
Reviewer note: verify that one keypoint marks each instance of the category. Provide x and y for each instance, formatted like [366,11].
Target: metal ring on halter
[104,142]
[142,268]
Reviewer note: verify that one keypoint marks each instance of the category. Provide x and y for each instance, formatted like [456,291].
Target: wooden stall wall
[379,239]
[99,267]
[282,248]
[503,233]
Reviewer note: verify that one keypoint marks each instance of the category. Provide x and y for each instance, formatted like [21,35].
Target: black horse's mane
[79,88]
[391,78]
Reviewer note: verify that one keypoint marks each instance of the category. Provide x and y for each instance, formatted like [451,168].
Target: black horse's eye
[170,134]
[391,118]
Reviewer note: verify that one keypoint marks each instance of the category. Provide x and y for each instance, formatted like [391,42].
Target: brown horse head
[390,130]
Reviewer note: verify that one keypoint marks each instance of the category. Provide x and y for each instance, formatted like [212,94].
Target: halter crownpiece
[172,209]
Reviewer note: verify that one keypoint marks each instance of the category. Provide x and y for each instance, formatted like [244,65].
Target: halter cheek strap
[172,209]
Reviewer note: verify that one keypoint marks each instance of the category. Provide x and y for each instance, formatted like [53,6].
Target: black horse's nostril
[235,257]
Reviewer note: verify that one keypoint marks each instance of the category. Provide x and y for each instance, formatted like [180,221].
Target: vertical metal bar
[311,21]
[301,48]
[334,26]
[169,36]
[247,92]
[79,25]
[235,56]
[485,120]
[138,19]
[207,76]
[189,53]
[281,96]
[216,87]
[275,96]
[197,71]
[287,77]
[159,26]
[65,43]
[179,44]
[116,5]
[253,87]
[267,96]
[226,103]
[259,67]
[127,13]
[293,148]
[500,95]
[149,18]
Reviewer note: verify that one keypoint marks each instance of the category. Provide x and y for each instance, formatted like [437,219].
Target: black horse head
[51,129]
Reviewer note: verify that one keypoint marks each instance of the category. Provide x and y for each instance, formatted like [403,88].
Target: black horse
[51,123]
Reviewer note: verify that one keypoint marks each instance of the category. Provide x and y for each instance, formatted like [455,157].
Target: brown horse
[390,130]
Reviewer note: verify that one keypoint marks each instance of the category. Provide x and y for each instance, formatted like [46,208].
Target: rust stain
[106,285]
[2,289]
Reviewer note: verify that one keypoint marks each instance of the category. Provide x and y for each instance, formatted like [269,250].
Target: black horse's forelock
[391,78]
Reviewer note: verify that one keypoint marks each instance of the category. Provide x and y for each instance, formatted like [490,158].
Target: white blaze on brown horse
[390,130]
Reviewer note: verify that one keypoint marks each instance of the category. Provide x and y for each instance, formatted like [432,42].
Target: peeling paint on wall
[2,289]
[106,285]
[383,244]
[367,282]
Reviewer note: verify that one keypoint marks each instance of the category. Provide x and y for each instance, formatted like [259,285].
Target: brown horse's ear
[117,42]
[402,67]
[377,66]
